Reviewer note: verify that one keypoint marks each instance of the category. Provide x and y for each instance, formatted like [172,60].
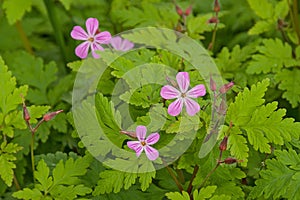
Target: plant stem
[208,175]
[174,178]
[32,155]
[190,187]
[213,39]
[294,17]
[16,183]
[54,19]
[24,37]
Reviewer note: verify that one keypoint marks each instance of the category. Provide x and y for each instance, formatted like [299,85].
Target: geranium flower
[144,144]
[93,38]
[183,95]
[121,44]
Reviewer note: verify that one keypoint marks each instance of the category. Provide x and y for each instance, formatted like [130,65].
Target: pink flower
[183,96]
[92,38]
[121,44]
[144,144]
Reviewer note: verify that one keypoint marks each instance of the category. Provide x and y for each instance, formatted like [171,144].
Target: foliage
[251,126]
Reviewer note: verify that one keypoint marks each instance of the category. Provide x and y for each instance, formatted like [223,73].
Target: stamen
[91,39]
[143,143]
[183,95]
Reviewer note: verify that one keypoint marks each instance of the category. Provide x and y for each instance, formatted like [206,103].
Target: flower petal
[151,153]
[103,37]
[82,50]
[92,25]
[169,92]
[183,81]
[136,146]
[78,33]
[176,107]
[152,138]
[192,107]
[197,91]
[126,45]
[141,132]
[95,46]
[116,42]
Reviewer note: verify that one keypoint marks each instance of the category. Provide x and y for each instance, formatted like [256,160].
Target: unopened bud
[226,87]
[230,160]
[213,20]
[188,10]
[223,144]
[129,133]
[51,115]
[217,7]
[223,107]
[179,10]
[212,84]
[172,82]
[26,115]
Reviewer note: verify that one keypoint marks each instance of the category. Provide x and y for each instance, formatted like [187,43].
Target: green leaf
[237,144]
[42,176]
[205,193]
[272,57]
[262,8]
[261,27]
[37,112]
[279,180]
[28,194]
[66,3]
[68,173]
[263,124]
[178,196]
[32,71]
[246,103]
[146,179]
[10,95]
[289,83]
[15,9]
[7,165]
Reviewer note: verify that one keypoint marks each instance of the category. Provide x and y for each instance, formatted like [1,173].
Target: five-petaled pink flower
[120,44]
[183,95]
[93,38]
[144,144]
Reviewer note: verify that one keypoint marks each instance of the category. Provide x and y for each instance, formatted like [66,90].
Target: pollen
[183,95]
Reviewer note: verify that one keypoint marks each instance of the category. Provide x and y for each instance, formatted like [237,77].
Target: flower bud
[213,20]
[179,10]
[217,7]
[223,107]
[26,115]
[223,144]
[230,160]
[51,115]
[188,10]
[226,87]
[129,133]
[212,84]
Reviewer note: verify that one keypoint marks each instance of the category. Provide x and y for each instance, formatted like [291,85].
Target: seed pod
[230,160]
[226,87]
[179,10]
[129,133]
[217,7]
[223,144]
[188,10]
[51,115]
[212,84]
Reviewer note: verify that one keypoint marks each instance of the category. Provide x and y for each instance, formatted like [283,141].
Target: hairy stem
[24,37]
[54,19]
[190,187]
[16,183]
[208,175]
[174,178]
[32,155]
